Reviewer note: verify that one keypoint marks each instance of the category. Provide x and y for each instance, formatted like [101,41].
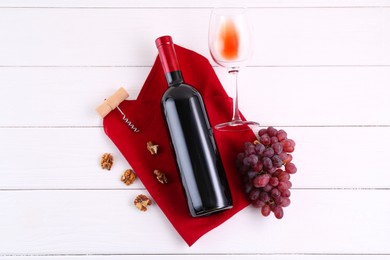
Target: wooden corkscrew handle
[112,102]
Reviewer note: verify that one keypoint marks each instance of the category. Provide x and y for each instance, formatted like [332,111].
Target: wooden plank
[315,96]
[194,4]
[202,256]
[103,222]
[59,159]
[68,158]
[62,96]
[125,37]
[299,96]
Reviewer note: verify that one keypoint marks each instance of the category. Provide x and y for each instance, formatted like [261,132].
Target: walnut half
[128,177]
[142,202]
[161,177]
[107,161]
[152,148]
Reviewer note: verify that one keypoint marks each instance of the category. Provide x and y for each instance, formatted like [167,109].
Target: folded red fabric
[145,113]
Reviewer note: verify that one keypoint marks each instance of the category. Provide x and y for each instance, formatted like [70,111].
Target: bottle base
[206,213]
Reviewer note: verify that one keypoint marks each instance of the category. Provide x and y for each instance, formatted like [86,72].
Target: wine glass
[230,45]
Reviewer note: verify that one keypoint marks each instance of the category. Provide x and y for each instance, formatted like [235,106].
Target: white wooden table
[321,71]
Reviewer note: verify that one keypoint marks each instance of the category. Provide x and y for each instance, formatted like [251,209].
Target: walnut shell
[128,177]
[107,161]
[161,177]
[152,148]
[142,202]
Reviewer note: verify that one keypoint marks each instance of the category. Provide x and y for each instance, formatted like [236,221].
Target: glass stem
[234,81]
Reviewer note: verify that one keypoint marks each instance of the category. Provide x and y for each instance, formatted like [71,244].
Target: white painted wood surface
[321,70]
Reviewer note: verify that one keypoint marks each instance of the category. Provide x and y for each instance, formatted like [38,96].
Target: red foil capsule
[167,54]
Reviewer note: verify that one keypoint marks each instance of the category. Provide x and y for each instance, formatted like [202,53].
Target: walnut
[141,202]
[128,176]
[152,148]
[107,161]
[161,177]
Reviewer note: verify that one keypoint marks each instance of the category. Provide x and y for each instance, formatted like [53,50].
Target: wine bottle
[198,161]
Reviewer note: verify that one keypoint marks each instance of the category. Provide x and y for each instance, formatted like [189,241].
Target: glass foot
[236,126]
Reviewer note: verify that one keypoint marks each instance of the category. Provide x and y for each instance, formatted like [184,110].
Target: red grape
[275,193]
[268,187]
[258,203]
[267,163]
[264,196]
[281,135]
[265,210]
[274,181]
[286,193]
[285,202]
[254,194]
[276,161]
[288,145]
[278,148]
[282,186]
[259,148]
[274,140]
[262,131]
[271,131]
[268,152]
[284,176]
[278,212]
[290,168]
[265,140]
[261,180]
[258,167]
[288,159]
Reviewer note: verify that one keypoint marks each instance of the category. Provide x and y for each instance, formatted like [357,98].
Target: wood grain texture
[193,4]
[203,256]
[105,222]
[116,37]
[272,96]
[68,158]
[320,71]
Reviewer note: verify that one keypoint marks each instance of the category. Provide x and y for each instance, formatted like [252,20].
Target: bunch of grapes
[265,166]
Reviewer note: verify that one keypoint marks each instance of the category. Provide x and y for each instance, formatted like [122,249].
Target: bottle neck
[170,65]
[174,78]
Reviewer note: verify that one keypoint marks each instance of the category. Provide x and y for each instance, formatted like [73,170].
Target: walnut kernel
[152,148]
[142,202]
[107,161]
[161,177]
[128,176]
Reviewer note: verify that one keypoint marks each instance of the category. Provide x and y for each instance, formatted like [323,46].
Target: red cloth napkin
[145,113]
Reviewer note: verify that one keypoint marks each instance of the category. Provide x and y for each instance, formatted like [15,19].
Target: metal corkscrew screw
[127,121]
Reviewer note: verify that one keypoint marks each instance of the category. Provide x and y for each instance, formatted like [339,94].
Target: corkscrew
[127,121]
[113,102]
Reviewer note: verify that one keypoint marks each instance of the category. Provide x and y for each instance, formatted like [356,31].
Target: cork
[112,102]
